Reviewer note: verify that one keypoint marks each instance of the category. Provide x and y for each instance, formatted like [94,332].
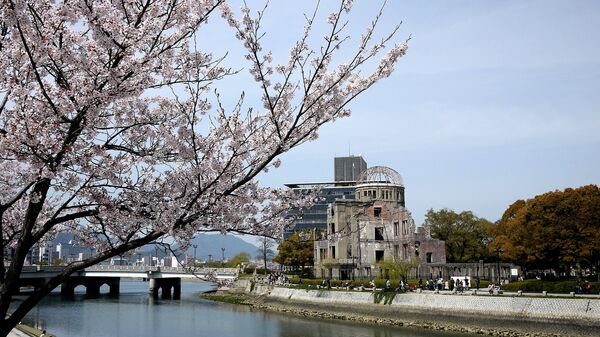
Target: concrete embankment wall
[541,309]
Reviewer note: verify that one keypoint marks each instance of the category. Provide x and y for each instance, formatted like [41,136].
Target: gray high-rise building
[343,187]
[348,168]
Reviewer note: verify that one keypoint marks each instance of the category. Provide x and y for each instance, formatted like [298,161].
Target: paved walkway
[17,333]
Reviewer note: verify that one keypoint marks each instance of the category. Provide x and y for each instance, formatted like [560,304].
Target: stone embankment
[477,314]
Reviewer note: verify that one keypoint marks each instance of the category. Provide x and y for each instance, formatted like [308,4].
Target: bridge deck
[133,272]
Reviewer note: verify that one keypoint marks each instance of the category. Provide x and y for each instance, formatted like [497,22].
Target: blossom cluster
[108,125]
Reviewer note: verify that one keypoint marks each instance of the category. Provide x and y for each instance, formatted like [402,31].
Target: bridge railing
[109,267]
[142,269]
[35,269]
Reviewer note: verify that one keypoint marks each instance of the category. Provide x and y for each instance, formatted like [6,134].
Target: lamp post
[195,246]
[156,255]
[417,245]
[498,251]
[223,256]
[209,259]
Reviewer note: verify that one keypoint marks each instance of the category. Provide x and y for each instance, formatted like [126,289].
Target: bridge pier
[166,285]
[92,285]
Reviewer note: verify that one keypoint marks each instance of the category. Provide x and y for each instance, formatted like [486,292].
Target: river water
[133,314]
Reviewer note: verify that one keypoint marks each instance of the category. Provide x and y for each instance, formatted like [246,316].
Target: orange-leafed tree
[557,230]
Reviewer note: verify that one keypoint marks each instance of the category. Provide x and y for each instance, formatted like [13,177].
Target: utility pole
[498,251]
[195,246]
[223,256]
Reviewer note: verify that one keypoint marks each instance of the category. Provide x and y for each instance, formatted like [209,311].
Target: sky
[495,100]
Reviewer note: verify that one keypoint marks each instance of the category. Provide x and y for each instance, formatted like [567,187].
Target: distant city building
[348,168]
[373,226]
[72,251]
[315,218]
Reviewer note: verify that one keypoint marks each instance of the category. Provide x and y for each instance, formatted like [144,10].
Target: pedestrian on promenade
[477,282]
[420,283]
[387,284]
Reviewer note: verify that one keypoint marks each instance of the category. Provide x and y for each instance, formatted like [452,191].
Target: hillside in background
[212,244]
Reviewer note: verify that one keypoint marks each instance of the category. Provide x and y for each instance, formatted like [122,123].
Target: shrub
[559,287]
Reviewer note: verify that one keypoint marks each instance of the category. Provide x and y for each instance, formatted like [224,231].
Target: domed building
[372,227]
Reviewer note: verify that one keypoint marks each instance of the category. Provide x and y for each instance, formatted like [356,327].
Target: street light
[498,251]
[223,256]
[195,246]
[417,245]
[156,255]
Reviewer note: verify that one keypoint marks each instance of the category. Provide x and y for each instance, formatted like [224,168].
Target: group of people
[451,284]
[583,287]
[277,278]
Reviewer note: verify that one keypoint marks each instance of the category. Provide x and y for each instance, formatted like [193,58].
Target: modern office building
[315,218]
[348,168]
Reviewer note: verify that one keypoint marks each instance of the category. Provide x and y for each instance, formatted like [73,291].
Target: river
[133,314]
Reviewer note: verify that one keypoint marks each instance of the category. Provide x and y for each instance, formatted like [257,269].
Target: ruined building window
[332,227]
[377,212]
[378,255]
[349,251]
[405,251]
[396,228]
[429,257]
[323,253]
[405,227]
[396,251]
[379,233]
[332,252]
[364,193]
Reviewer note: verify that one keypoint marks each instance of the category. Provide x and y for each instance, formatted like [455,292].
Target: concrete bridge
[167,280]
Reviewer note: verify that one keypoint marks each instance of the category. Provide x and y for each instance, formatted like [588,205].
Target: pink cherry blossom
[110,127]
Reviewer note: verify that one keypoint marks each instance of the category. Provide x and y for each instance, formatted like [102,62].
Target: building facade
[373,227]
[348,168]
[315,218]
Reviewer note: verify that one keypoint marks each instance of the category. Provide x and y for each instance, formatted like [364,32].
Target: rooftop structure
[348,168]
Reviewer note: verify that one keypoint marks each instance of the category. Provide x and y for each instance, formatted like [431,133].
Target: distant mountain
[212,244]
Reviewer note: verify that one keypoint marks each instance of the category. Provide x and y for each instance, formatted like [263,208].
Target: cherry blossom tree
[112,126]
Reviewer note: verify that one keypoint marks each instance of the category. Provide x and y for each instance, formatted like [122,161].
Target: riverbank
[23,330]
[361,307]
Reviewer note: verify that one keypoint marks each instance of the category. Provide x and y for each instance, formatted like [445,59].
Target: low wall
[544,309]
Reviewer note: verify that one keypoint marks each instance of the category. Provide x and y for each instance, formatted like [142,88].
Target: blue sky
[495,101]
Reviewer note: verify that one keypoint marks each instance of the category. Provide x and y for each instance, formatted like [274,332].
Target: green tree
[557,230]
[466,235]
[396,268]
[296,251]
[237,260]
